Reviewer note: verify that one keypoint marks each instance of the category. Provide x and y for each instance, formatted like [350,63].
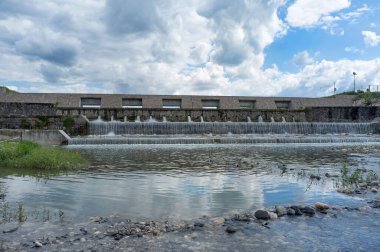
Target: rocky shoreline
[115,234]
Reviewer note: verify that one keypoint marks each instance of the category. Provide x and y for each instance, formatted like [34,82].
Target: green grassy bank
[29,155]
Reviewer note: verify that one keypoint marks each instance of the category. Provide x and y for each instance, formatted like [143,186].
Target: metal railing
[373,88]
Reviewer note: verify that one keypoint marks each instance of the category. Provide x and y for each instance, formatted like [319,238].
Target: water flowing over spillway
[191,128]
[152,132]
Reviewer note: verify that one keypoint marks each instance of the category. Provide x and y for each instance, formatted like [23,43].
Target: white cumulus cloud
[307,13]
[371,38]
[302,59]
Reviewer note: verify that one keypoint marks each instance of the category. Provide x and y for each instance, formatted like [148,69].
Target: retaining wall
[45,137]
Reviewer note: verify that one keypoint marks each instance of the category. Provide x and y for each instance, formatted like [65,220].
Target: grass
[5,89]
[32,156]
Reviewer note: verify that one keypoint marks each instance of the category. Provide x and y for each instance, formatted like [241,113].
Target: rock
[242,217]
[231,229]
[374,183]
[308,211]
[280,211]
[345,191]
[217,221]
[332,174]
[321,206]
[273,216]
[10,230]
[376,203]
[290,211]
[374,190]
[156,233]
[262,215]
[198,224]
[37,244]
[297,210]
[312,176]
[82,239]
[363,184]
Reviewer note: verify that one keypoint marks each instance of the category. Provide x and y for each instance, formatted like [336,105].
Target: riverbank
[331,228]
[29,155]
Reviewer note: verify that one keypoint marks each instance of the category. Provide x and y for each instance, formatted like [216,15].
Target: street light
[354,74]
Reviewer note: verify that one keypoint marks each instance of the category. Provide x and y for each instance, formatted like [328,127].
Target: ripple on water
[188,181]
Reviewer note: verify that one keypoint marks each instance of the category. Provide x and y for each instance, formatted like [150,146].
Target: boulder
[308,211]
[280,211]
[297,210]
[262,215]
[290,211]
[217,221]
[321,206]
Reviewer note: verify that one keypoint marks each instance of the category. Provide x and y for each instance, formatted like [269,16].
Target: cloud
[307,13]
[215,47]
[302,59]
[370,38]
[131,16]
[51,48]
[51,73]
[353,49]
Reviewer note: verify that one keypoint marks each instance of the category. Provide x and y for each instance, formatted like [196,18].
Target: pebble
[346,191]
[308,210]
[312,176]
[231,229]
[262,215]
[297,210]
[374,190]
[37,244]
[217,221]
[273,216]
[290,211]
[332,174]
[363,184]
[374,183]
[321,206]
[280,210]
[82,239]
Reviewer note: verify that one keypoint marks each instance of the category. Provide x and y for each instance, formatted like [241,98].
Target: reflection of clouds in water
[187,183]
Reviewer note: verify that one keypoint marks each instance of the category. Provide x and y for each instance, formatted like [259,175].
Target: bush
[25,123]
[68,122]
[42,122]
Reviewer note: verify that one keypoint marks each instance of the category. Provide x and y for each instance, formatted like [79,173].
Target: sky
[190,47]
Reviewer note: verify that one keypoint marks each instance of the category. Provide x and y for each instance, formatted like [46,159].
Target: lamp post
[354,74]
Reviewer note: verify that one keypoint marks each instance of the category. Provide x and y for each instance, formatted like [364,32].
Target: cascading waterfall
[185,128]
[202,119]
[153,132]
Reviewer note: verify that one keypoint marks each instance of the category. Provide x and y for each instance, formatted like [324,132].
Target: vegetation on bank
[368,98]
[4,89]
[29,155]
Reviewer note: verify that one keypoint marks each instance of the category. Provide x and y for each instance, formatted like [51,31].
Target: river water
[183,181]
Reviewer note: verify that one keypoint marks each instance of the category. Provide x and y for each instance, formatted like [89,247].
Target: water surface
[156,181]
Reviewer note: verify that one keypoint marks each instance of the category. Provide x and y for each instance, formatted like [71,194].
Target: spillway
[114,132]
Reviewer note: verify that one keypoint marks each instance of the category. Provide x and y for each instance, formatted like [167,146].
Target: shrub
[25,123]
[42,122]
[68,122]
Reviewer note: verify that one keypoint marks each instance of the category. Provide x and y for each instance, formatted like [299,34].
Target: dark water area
[184,181]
